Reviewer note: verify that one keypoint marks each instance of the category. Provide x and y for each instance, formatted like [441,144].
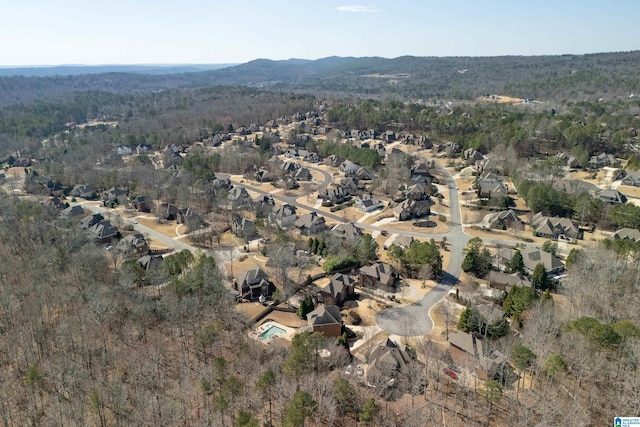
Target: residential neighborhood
[306,243]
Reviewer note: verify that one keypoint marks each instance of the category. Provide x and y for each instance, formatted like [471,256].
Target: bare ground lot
[629,191]
[440,228]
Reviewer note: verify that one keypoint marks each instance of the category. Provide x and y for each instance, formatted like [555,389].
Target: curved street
[413,320]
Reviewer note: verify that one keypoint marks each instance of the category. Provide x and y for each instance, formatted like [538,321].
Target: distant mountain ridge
[75,70]
[552,77]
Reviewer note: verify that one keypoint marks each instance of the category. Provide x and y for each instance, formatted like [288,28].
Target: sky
[55,32]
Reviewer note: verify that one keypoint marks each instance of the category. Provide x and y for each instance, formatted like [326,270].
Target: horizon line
[161,64]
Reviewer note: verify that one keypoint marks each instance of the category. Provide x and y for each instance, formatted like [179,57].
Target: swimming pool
[270,332]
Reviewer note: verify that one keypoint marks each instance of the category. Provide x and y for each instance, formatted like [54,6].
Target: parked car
[348,370]
[359,370]
[384,232]
[450,373]
[563,238]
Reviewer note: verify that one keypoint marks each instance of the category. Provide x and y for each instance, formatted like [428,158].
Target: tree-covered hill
[577,77]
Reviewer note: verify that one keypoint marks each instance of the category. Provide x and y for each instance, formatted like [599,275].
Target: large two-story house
[254,284]
[283,216]
[310,223]
[367,203]
[554,227]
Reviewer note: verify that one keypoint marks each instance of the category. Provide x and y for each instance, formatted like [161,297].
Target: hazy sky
[50,32]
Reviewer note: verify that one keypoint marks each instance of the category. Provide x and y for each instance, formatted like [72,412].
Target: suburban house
[286,182]
[363,174]
[333,161]
[283,216]
[90,221]
[450,148]
[222,184]
[262,175]
[183,215]
[574,187]
[628,234]
[631,179]
[346,231]
[502,220]
[262,205]
[123,150]
[491,312]
[420,169]
[168,211]
[411,208]
[378,274]
[115,195]
[352,185]
[141,203]
[490,189]
[603,160]
[55,203]
[103,231]
[302,174]
[390,365]
[237,198]
[349,168]
[84,191]
[418,191]
[290,167]
[367,203]
[133,245]
[568,160]
[291,153]
[423,142]
[499,279]
[152,263]
[72,211]
[420,179]
[312,158]
[326,319]
[254,283]
[142,149]
[611,196]
[47,185]
[341,287]
[310,223]
[553,227]
[402,241]
[335,195]
[243,227]
[389,136]
[471,156]
[531,258]
[472,352]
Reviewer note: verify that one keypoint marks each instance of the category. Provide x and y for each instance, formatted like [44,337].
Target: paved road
[221,256]
[413,320]
[339,218]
